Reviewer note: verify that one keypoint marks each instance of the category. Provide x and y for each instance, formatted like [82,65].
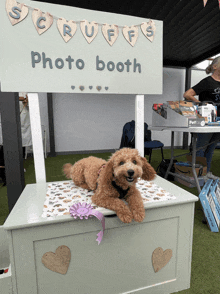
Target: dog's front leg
[136,205]
[121,209]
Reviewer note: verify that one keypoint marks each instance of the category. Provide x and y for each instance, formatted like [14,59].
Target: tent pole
[12,142]
[51,125]
[187,87]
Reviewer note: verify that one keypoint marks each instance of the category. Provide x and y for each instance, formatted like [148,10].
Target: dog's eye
[134,162]
[121,163]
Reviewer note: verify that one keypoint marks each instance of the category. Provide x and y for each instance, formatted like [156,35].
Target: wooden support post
[139,123]
[37,139]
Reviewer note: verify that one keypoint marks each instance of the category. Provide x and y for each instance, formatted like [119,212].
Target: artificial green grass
[205,272]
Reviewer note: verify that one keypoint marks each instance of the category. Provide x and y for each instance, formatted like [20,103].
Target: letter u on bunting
[89,30]
[66,28]
[16,12]
[110,32]
[149,29]
[42,21]
[130,34]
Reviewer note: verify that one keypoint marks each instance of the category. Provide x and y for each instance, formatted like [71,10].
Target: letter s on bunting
[16,12]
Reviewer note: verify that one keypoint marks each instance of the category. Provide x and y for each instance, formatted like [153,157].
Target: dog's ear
[106,175]
[148,171]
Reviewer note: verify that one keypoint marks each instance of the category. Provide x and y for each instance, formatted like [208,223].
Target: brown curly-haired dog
[113,181]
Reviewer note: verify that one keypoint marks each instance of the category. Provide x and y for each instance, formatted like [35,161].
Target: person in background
[208,89]
[25,121]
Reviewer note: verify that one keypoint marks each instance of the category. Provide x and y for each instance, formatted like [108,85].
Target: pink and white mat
[61,196]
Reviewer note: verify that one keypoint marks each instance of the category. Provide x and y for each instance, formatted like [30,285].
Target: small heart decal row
[82,88]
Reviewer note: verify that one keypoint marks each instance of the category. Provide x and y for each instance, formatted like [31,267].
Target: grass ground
[205,278]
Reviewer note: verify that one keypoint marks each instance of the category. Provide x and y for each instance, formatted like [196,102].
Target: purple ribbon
[85,210]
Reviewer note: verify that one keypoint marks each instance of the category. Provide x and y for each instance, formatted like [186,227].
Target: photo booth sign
[54,48]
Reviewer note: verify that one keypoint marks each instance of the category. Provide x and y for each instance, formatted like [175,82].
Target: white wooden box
[176,119]
[122,263]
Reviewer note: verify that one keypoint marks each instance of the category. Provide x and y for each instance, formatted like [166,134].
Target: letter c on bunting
[42,21]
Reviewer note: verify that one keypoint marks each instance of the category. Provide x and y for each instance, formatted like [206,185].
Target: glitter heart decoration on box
[160,258]
[59,261]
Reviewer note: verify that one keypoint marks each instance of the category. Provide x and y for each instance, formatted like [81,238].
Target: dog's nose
[130,172]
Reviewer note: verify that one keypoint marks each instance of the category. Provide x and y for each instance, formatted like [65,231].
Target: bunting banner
[67,49]
[205,2]
[44,20]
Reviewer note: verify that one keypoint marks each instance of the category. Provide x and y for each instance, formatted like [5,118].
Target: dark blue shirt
[208,89]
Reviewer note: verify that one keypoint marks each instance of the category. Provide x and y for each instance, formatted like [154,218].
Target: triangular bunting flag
[204,2]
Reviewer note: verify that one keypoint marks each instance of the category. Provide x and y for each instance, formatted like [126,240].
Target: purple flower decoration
[83,210]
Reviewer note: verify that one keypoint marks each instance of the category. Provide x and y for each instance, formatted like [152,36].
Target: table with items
[193,131]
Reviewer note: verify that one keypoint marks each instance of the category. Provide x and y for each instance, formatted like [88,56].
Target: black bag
[2,166]
[2,162]
[162,168]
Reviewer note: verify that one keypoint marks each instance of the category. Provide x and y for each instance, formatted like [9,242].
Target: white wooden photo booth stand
[122,263]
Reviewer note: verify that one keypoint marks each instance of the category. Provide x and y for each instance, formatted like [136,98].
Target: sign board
[55,48]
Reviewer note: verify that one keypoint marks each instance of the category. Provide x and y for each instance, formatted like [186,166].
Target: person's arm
[189,95]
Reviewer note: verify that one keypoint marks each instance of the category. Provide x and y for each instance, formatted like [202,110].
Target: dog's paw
[138,216]
[125,218]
